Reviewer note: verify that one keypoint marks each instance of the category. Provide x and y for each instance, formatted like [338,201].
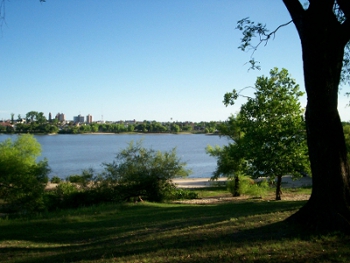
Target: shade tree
[324,31]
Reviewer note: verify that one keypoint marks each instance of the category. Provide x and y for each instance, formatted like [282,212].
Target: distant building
[60,117]
[50,117]
[78,119]
[130,122]
[89,119]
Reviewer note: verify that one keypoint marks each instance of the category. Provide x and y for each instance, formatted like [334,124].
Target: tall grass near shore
[148,232]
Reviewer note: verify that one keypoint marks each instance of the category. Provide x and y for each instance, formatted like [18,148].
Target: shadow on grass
[159,233]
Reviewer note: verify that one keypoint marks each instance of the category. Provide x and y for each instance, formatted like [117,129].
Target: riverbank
[287,182]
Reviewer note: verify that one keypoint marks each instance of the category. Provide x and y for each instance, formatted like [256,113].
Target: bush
[145,173]
[22,178]
[83,179]
[60,196]
[248,186]
[75,178]
[65,188]
[55,180]
[179,194]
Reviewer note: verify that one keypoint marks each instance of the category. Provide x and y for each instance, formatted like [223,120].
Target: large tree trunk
[328,207]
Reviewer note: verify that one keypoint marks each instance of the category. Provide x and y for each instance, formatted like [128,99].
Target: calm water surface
[70,154]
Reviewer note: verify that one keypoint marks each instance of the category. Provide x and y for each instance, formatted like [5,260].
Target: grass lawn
[245,231]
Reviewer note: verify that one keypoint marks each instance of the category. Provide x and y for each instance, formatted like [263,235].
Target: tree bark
[236,191]
[323,46]
[278,187]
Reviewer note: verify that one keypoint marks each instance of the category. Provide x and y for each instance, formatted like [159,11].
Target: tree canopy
[269,131]
[22,177]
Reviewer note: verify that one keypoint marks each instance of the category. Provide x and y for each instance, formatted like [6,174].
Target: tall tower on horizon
[89,119]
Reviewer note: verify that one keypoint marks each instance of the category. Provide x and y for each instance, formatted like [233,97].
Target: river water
[70,154]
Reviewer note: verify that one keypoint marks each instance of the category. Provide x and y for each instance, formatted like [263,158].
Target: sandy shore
[197,182]
[180,182]
[287,182]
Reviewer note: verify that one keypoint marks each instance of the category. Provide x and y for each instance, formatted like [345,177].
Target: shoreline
[120,133]
[287,182]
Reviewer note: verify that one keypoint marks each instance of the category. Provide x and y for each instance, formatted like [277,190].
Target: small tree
[22,178]
[272,135]
[144,173]
[227,164]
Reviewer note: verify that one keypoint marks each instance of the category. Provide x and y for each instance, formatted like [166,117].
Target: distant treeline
[52,127]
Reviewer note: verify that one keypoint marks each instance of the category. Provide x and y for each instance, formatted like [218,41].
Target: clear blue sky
[137,59]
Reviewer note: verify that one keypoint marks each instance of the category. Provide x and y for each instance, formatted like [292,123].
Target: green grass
[212,192]
[252,231]
[221,191]
[301,190]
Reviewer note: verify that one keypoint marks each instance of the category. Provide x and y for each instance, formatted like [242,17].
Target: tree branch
[346,30]
[345,7]
[250,30]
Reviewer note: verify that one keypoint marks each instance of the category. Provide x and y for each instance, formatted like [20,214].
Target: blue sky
[137,59]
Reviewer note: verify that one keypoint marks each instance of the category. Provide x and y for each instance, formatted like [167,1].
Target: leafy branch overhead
[250,30]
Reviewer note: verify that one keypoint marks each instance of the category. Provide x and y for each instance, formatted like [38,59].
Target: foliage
[55,180]
[22,178]
[269,134]
[61,196]
[247,186]
[274,141]
[84,179]
[230,163]
[65,189]
[252,30]
[179,194]
[229,159]
[147,173]
[34,127]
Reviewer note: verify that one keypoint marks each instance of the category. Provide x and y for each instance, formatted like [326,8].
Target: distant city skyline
[89,118]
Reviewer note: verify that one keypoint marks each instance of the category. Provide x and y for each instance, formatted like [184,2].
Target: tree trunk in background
[278,187]
[236,191]
[323,50]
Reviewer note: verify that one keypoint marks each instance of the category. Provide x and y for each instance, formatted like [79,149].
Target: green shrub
[146,173]
[65,188]
[248,186]
[179,194]
[60,196]
[55,180]
[75,178]
[83,179]
[22,178]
